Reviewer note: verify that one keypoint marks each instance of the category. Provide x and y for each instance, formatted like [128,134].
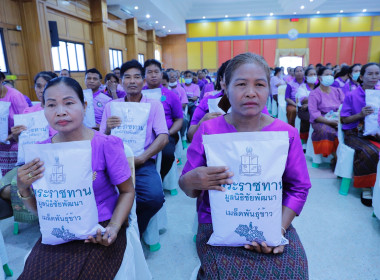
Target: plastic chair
[376,194]
[170,182]
[282,103]
[4,259]
[316,159]
[157,223]
[269,104]
[345,163]
[274,108]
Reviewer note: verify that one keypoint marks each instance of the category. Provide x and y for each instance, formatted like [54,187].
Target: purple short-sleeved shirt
[339,83]
[207,88]
[275,81]
[180,93]
[37,108]
[320,103]
[192,90]
[291,89]
[156,121]
[350,86]
[111,167]
[296,181]
[100,100]
[352,105]
[18,104]
[172,106]
[119,93]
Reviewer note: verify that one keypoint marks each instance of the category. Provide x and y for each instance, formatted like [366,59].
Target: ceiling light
[271,14]
[163,26]
[341,11]
[364,10]
[136,7]
[203,17]
[294,13]
[318,12]
[311,0]
[226,16]
[248,15]
[147,15]
[170,30]
[156,21]
[302,7]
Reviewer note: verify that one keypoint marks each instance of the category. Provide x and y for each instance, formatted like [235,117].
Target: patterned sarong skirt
[325,139]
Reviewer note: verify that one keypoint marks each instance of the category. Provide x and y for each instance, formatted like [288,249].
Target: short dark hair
[343,72]
[131,64]
[318,65]
[117,68]
[321,70]
[94,71]
[165,76]
[220,74]
[150,62]
[73,84]
[188,72]
[276,70]
[46,75]
[2,76]
[109,76]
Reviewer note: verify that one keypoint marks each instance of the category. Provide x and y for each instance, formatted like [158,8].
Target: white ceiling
[173,13]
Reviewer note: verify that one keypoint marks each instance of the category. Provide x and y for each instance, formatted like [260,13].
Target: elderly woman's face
[248,89]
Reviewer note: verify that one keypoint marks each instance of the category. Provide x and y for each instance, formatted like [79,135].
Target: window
[69,55]
[3,57]
[157,55]
[141,59]
[290,61]
[116,58]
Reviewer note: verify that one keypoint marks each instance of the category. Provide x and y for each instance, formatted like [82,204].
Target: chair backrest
[281,94]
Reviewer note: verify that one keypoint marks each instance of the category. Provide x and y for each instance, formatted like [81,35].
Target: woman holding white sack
[367,148]
[247,81]
[99,256]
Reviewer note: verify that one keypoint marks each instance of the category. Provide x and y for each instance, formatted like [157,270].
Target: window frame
[4,52]
[138,58]
[117,50]
[76,55]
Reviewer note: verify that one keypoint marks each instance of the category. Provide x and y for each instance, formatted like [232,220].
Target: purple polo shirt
[172,105]
[296,181]
[100,100]
[192,90]
[111,167]
[291,89]
[352,105]
[349,86]
[156,121]
[339,83]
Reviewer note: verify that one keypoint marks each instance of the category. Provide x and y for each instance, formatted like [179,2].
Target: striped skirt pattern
[325,139]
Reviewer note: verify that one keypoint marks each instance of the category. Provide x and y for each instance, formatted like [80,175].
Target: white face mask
[172,84]
[311,80]
[327,80]
[188,80]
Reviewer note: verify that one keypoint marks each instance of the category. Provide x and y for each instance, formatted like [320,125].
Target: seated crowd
[323,97]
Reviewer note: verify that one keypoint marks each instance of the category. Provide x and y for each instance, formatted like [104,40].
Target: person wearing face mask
[353,76]
[290,95]
[367,148]
[302,96]
[192,91]
[324,102]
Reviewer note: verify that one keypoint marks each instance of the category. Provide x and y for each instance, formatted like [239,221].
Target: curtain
[304,53]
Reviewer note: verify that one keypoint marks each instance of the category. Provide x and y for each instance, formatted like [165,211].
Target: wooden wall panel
[361,50]
[254,46]
[16,53]
[269,51]
[10,12]
[330,51]
[75,29]
[345,50]
[116,24]
[174,52]
[315,50]
[142,47]
[143,35]
[239,46]
[224,51]
[78,8]
[61,23]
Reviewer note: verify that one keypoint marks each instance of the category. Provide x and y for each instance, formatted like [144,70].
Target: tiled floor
[340,236]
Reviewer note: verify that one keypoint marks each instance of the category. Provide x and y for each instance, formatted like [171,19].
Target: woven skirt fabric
[75,260]
[325,139]
[8,157]
[366,158]
[227,263]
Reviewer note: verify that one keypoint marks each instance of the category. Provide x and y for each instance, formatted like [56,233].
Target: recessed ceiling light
[136,7]
[147,15]
[203,17]
[156,21]
[311,0]
[341,11]
[271,14]
[248,15]
[163,26]
[318,12]
[294,13]
[170,30]
[302,7]
[364,10]
[226,16]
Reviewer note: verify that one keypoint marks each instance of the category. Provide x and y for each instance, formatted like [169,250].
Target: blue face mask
[355,76]
[188,80]
[327,80]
